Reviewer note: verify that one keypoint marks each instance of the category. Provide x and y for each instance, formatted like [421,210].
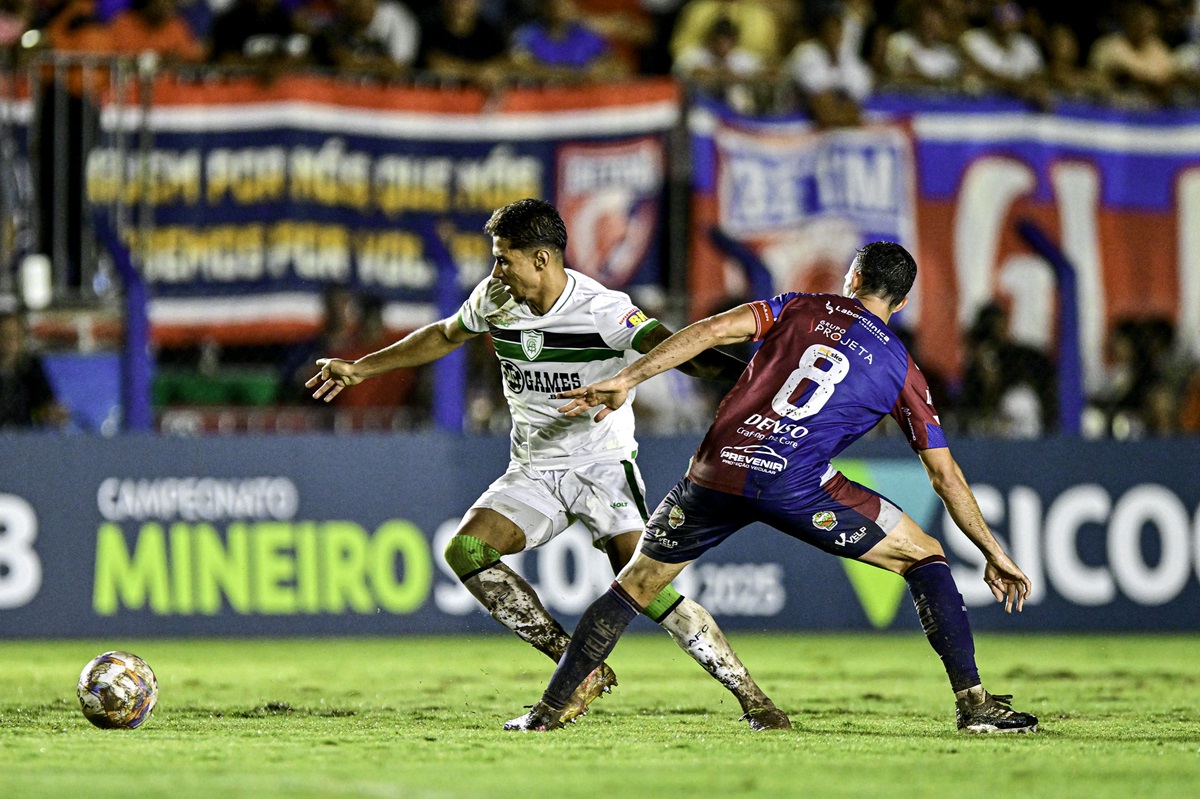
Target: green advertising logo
[906,485]
[269,567]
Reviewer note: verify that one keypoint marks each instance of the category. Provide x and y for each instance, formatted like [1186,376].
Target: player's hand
[609,393]
[335,375]
[498,296]
[1007,582]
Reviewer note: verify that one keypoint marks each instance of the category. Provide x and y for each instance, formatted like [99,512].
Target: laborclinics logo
[757,457]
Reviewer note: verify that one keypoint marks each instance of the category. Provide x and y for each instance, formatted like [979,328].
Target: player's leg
[595,636]
[910,552]
[502,524]
[689,521]
[516,513]
[610,497]
[854,522]
[697,633]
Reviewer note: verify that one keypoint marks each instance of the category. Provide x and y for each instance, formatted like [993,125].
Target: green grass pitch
[420,717]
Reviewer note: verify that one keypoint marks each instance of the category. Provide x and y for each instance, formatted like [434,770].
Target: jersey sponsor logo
[531,342]
[844,540]
[758,426]
[634,317]
[518,380]
[869,325]
[660,536]
[675,517]
[829,329]
[824,520]
[756,457]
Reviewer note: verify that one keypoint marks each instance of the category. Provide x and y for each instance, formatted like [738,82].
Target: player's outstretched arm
[416,349]
[1006,581]
[709,364]
[731,327]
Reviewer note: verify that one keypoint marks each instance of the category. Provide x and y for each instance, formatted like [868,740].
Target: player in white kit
[555,329]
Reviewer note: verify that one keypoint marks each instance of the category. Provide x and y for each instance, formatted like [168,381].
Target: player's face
[516,269]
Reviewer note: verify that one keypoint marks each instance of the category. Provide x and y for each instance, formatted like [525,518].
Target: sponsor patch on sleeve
[634,317]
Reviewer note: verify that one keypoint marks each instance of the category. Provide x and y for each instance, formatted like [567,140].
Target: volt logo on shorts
[825,520]
[675,517]
[619,505]
[758,457]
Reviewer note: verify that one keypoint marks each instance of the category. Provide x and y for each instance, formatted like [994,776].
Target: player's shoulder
[587,288]
[593,295]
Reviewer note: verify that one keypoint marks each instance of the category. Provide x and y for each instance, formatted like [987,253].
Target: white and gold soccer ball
[117,691]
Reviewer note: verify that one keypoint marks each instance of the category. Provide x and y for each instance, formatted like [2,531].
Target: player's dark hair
[528,224]
[888,271]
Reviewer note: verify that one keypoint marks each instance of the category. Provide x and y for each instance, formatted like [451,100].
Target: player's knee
[467,555]
[916,549]
[661,606]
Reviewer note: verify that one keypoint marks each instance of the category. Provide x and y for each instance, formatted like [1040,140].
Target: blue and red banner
[261,195]
[1113,189]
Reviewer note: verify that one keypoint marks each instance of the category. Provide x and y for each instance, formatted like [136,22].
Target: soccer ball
[117,691]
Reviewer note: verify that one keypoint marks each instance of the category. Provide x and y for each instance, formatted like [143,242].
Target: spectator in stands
[1008,389]
[26,397]
[624,24]
[1148,379]
[1189,406]
[458,43]
[339,334]
[1135,58]
[722,68]
[655,57]
[260,34]
[831,78]
[16,17]
[923,55]
[378,38]
[1067,77]
[394,389]
[155,26]
[758,30]
[559,46]
[77,28]
[1007,58]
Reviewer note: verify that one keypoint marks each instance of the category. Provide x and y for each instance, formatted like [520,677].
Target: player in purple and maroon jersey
[827,371]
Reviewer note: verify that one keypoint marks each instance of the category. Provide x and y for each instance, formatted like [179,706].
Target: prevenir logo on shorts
[824,519]
[675,517]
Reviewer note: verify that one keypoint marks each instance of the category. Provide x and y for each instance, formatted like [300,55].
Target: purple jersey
[827,371]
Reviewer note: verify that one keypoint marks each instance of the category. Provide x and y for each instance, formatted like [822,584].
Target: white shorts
[609,498]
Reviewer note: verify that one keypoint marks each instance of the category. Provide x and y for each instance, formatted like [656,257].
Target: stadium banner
[1113,188]
[305,535]
[248,198]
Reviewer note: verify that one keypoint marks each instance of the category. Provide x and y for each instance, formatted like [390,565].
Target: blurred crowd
[825,56]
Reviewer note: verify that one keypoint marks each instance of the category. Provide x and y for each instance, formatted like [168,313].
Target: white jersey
[587,336]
